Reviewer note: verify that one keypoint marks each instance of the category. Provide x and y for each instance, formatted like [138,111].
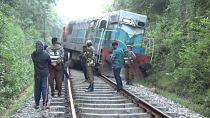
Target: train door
[107,36]
[102,29]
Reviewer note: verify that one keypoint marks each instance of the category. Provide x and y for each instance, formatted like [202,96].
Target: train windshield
[133,19]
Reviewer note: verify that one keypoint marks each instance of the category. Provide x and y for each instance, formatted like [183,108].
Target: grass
[187,102]
[17,102]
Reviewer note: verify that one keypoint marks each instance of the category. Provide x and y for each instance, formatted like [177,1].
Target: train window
[126,21]
[70,28]
[103,24]
[93,25]
[141,24]
[114,18]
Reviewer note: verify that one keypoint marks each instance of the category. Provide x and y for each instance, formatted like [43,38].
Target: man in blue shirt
[117,63]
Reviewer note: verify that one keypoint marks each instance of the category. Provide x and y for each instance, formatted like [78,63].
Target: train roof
[121,13]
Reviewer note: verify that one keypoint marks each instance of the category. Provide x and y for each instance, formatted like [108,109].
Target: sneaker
[53,95]
[36,106]
[59,93]
[85,81]
[116,92]
[89,90]
[45,107]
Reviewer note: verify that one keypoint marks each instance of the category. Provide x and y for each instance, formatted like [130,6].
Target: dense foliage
[181,30]
[21,24]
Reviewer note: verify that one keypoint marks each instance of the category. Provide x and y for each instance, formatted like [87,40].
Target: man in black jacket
[83,62]
[41,62]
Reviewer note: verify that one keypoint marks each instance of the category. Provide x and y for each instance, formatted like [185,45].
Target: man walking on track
[117,63]
[41,62]
[56,68]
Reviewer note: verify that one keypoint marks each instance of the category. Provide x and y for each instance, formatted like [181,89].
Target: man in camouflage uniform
[129,59]
[56,68]
[90,62]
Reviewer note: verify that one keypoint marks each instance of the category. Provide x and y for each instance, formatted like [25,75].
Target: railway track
[104,102]
[59,105]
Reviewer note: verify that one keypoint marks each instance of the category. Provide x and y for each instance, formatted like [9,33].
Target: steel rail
[141,103]
[72,108]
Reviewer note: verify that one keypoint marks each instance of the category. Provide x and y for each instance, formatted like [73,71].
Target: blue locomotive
[121,26]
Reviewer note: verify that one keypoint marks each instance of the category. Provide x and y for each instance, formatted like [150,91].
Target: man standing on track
[83,62]
[41,62]
[117,63]
[90,56]
[129,59]
[56,68]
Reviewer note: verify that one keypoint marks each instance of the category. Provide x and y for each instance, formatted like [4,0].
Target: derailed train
[121,26]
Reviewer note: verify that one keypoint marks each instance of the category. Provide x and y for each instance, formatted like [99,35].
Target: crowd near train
[106,45]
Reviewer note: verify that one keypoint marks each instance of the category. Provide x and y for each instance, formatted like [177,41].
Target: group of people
[118,57]
[49,67]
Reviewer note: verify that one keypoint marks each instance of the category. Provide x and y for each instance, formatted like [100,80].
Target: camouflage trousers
[56,75]
[129,73]
[90,74]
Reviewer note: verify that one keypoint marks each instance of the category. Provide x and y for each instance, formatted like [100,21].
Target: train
[127,28]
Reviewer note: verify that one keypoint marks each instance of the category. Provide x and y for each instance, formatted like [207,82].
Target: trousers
[118,79]
[40,88]
[84,69]
[90,74]
[129,73]
[56,75]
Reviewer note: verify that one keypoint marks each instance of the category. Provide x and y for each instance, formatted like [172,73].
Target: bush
[181,61]
[16,68]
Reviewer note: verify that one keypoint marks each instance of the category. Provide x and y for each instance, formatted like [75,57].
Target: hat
[88,42]
[129,46]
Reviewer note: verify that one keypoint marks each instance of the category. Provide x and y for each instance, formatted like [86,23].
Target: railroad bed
[103,102]
[59,106]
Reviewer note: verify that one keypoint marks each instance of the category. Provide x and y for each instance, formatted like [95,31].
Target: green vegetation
[181,62]
[18,101]
[21,24]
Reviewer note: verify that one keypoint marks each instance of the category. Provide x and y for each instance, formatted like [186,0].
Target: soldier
[41,62]
[117,63]
[83,62]
[90,56]
[129,59]
[56,68]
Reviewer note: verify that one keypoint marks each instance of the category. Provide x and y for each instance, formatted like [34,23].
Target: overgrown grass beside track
[21,24]
[16,69]
[17,102]
[163,89]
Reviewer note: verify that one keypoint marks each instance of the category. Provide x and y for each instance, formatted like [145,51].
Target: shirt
[117,58]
